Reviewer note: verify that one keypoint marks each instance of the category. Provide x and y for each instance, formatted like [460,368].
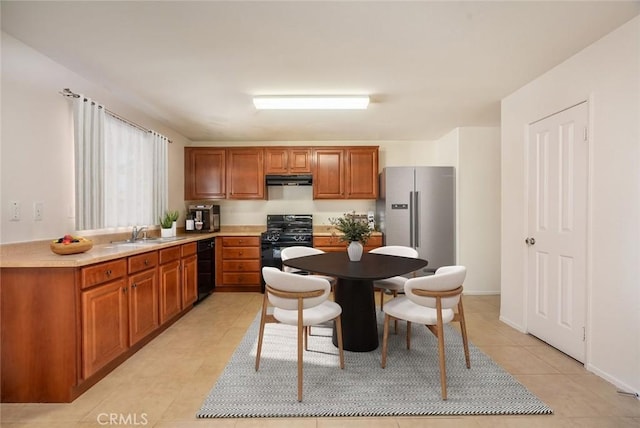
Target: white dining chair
[302,301]
[395,283]
[300,251]
[432,301]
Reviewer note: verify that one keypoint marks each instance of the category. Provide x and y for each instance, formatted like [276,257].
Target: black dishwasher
[206,267]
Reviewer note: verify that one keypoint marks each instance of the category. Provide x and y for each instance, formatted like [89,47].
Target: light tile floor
[164,384]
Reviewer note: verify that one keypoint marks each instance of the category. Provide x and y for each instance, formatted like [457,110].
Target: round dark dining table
[354,290]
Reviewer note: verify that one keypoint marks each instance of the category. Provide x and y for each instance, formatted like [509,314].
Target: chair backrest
[292,283]
[297,251]
[396,250]
[446,278]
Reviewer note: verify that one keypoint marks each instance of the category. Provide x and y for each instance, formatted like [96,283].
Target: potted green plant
[355,231]
[167,223]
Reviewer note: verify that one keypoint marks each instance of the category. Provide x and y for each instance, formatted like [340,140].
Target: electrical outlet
[38,211]
[14,210]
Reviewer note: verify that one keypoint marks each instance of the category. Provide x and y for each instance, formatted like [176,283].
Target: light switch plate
[14,210]
[38,211]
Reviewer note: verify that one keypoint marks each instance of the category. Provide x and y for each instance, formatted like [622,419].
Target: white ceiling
[428,66]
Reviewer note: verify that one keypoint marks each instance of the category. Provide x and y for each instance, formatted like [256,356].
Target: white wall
[37,142]
[607,74]
[478,187]
[475,154]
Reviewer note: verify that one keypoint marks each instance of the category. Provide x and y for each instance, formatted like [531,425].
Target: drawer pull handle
[146,262]
[108,272]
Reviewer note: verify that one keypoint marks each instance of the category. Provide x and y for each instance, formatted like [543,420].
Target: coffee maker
[203,218]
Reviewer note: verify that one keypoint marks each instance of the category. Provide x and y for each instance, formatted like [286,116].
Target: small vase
[165,233]
[173,229]
[355,251]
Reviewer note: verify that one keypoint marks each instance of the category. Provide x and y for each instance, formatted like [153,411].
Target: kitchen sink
[145,241]
[129,242]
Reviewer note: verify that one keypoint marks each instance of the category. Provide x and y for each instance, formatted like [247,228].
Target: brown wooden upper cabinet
[361,173]
[204,173]
[345,172]
[239,172]
[287,160]
[245,173]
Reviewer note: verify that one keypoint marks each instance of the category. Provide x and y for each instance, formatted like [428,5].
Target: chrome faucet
[135,233]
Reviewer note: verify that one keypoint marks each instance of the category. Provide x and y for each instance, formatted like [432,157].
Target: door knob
[530,241]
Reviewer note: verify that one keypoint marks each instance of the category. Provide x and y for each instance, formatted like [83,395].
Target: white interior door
[556,289]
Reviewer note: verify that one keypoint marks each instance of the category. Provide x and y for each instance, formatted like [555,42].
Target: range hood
[289,180]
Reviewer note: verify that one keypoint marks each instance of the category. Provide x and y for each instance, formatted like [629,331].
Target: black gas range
[284,230]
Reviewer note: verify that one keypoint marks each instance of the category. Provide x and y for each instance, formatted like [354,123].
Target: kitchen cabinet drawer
[240,253]
[189,249]
[103,272]
[169,254]
[333,243]
[236,278]
[143,261]
[240,241]
[241,266]
[328,241]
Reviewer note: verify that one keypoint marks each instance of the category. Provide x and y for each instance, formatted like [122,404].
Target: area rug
[408,386]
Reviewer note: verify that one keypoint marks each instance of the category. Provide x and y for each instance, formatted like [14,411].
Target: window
[121,170]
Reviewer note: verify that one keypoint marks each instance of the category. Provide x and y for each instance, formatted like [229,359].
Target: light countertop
[38,253]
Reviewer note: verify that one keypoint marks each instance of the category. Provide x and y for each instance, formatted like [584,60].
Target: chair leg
[381,299]
[408,334]
[385,337]
[307,331]
[339,334]
[300,335]
[463,329]
[263,317]
[395,322]
[443,368]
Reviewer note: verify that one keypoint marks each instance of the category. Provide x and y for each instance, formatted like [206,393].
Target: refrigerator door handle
[412,218]
[416,226]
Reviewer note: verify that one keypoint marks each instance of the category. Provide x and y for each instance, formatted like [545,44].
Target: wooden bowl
[72,248]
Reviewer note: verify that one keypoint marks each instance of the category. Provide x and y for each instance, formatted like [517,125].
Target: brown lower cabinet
[333,243]
[105,325]
[238,263]
[64,329]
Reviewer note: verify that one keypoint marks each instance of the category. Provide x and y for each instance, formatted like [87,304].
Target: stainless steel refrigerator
[416,208]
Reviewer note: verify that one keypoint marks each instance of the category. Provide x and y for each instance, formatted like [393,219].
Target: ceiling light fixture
[293,102]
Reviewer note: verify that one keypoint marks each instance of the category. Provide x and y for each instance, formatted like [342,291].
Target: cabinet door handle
[124,289]
[134,285]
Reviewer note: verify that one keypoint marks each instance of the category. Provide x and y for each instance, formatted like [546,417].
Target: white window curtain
[160,148]
[89,160]
[124,181]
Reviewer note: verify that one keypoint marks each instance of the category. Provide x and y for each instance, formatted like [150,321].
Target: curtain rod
[66,92]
